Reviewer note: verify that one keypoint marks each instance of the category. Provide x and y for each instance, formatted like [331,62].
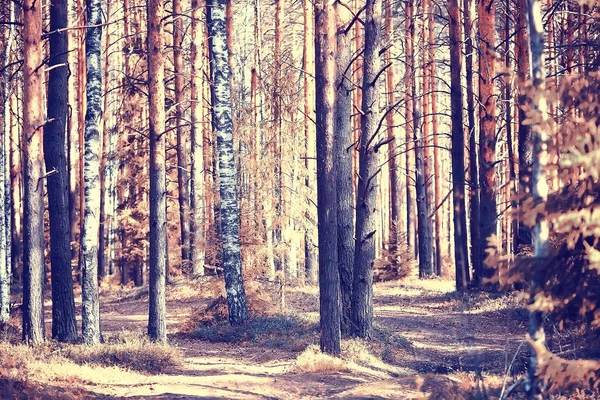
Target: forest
[299,199]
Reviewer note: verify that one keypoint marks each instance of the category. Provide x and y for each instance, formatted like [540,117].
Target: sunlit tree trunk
[223,126]
[329,276]
[343,160]
[474,212]
[395,186]
[487,130]
[5,186]
[63,303]
[539,190]
[197,205]
[362,287]
[91,211]
[33,164]
[158,191]
[410,126]
[461,263]
[310,236]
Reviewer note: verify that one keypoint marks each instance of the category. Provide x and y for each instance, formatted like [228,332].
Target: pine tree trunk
[197,205]
[362,286]
[33,164]
[539,190]
[329,276]
[410,126]
[182,164]
[223,126]
[461,263]
[5,186]
[524,131]
[90,319]
[64,328]
[487,131]
[395,186]
[158,191]
[425,245]
[311,233]
[343,160]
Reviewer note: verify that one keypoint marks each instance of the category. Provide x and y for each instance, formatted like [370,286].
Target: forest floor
[430,342]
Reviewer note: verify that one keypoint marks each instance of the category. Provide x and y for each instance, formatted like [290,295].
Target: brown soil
[445,346]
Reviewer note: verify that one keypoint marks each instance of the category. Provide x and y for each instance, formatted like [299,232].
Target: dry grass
[356,356]
[127,350]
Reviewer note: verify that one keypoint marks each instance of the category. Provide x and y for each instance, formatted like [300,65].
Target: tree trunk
[458,150]
[395,186]
[410,126]
[474,212]
[310,235]
[329,276]
[182,165]
[362,286]
[5,182]
[33,161]
[197,205]
[426,267]
[524,132]
[90,319]
[158,191]
[343,160]
[223,126]
[487,131]
[64,328]
[539,190]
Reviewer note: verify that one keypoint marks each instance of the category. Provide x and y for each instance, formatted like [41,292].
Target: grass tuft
[127,350]
[281,332]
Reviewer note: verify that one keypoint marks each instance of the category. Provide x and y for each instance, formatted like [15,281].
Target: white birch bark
[91,169]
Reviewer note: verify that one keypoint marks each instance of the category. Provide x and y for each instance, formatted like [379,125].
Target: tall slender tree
[343,160]
[157,329]
[63,303]
[486,29]
[364,256]
[223,126]
[197,205]
[458,152]
[182,163]
[91,212]
[410,126]
[33,174]
[539,189]
[5,184]
[329,276]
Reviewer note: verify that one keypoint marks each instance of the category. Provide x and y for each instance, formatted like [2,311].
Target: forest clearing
[300,199]
[428,342]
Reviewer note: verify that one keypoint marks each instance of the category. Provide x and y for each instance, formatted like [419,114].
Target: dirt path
[440,343]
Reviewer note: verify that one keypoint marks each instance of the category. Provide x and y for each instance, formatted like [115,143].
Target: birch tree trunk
[90,319]
[158,186]
[63,303]
[364,256]
[5,194]
[474,214]
[329,276]
[197,205]
[223,126]
[461,264]
[33,164]
[539,189]
[343,160]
